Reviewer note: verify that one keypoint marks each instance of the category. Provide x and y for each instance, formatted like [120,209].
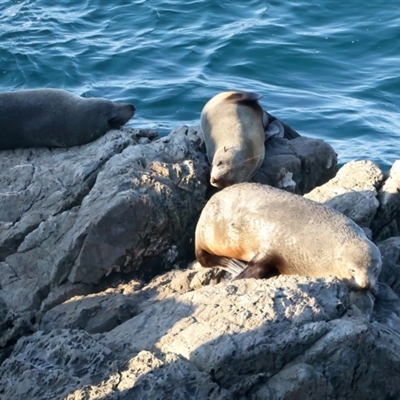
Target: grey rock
[297,165]
[87,235]
[148,376]
[281,338]
[49,366]
[353,191]
[93,313]
[36,184]
[98,209]
[387,307]
[387,219]
[12,326]
[390,272]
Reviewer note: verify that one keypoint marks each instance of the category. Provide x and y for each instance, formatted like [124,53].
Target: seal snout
[122,114]
[363,281]
[364,284]
[218,180]
[221,175]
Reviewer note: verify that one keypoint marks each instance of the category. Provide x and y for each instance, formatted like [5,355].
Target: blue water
[330,69]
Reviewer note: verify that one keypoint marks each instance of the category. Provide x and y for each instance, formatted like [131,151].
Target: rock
[12,326]
[387,307]
[36,184]
[352,191]
[51,365]
[148,376]
[390,272]
[387,219]
[93,313]
[283,337]
[297,165]
[85,212]
[91,244]
[103,311]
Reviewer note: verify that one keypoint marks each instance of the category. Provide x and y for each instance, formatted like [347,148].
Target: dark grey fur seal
[56,118]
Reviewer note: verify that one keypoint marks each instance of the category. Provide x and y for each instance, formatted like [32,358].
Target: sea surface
[330,69]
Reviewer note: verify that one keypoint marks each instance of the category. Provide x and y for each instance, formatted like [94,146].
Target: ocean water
[330,69]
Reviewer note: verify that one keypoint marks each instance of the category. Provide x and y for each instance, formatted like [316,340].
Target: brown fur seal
[56,118]
[273,230]
[235,127]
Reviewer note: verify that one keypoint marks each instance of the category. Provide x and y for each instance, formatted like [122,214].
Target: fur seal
[277,231]
[56,118]
[235,127]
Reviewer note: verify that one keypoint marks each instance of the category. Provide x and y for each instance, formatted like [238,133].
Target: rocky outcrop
[297,165]
[85,212]
[386,222]
[282,338]
[72,217]
[353,191]
[93,304]
[361,191]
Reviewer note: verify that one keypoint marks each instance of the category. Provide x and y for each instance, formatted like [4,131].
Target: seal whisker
[246,160]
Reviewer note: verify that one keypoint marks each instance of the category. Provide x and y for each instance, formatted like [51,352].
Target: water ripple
[330,70]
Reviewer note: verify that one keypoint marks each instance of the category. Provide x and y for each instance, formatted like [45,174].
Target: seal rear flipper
[275,127]
[232,265]
[289,132]
[262,266]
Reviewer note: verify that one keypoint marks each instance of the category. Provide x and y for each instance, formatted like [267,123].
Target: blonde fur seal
[271,230]
[235,128]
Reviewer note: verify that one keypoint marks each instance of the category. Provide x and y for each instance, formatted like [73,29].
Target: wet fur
[56,118]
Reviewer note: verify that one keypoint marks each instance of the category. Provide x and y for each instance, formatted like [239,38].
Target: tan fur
[233,126]
[273,229]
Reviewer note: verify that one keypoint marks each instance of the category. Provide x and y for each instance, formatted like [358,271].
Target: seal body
[277,231]
[235,127]
[56,118]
